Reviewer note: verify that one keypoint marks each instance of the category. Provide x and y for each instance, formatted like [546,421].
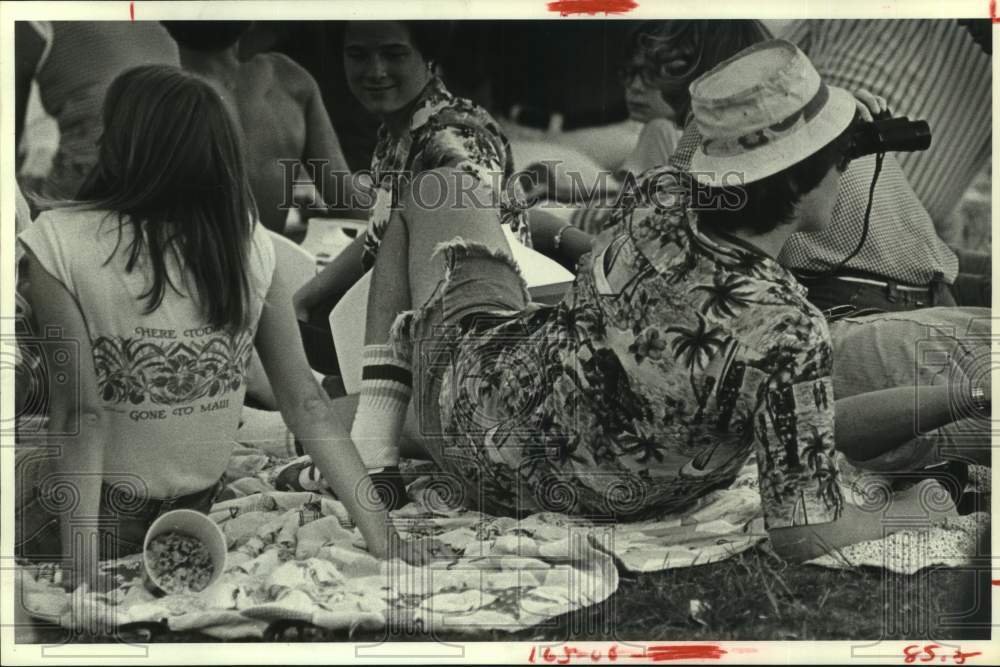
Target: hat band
[730,146]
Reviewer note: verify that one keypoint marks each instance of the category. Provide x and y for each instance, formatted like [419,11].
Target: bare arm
[258,388]
[334,180]
[317,297]
[308,412]
[874,423]
[868,425]
[807,505]
[73,408]
[572,243]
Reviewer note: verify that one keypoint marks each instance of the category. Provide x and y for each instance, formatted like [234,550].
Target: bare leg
[409,445]
[407,273]
[389,293]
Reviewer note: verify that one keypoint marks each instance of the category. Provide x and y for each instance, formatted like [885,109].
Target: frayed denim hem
[402,331]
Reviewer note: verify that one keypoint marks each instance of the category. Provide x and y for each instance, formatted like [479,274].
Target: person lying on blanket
[681,349]
[160,281]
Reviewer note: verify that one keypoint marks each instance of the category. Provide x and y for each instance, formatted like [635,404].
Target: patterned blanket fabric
[295,556]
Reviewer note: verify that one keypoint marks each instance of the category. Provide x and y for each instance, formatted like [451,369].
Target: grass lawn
[755,596]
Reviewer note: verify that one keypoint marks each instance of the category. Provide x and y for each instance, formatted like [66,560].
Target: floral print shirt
[444,130]
[669,362]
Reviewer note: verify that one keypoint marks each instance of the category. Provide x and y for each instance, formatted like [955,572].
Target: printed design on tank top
[170,372]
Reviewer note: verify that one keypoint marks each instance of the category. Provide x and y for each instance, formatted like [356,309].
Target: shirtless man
[280,108]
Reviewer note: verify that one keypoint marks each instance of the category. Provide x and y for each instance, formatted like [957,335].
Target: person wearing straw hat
[682,348]
[875,344]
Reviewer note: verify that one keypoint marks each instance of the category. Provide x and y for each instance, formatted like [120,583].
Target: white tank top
[165,379]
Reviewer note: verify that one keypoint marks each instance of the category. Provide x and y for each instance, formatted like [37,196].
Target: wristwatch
[979,401]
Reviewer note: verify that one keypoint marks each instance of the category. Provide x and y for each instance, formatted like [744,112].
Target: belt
[123,501]
[858,278]
[554,121]
[882,283]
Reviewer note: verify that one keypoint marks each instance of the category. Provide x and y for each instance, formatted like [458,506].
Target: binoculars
[884,135]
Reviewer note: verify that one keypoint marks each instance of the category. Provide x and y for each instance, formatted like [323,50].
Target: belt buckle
[892,292]
[838,312]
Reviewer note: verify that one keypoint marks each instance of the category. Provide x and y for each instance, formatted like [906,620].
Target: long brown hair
[170,165]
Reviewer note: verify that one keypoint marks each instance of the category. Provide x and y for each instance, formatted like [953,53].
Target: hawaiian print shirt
[669,362]
[444,130]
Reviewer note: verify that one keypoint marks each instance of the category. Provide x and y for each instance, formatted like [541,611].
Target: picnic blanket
[295,556]
[720,525]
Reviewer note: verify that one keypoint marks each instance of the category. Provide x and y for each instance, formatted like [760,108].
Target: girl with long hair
[160,284]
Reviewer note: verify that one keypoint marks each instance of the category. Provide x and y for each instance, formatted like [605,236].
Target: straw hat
[762,111]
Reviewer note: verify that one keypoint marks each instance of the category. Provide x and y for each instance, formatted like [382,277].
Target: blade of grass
[822,600]
[767,590]
[780,580]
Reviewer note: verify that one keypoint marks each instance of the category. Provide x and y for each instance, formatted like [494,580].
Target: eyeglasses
[627,73]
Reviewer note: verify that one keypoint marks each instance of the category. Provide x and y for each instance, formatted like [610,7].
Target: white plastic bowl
[194,524]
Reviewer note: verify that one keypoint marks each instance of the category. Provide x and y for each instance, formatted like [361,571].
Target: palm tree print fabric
[444,131]
[669,362]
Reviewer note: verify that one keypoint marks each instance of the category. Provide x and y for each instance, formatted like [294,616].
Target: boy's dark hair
[210,36]
[771,201]
[431,38]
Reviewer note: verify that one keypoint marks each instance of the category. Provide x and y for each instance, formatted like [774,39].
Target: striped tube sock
[386,386]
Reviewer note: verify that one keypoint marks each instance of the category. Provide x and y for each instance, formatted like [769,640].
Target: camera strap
[808,275]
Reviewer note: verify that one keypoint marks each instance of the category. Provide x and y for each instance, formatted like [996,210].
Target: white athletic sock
[386,386]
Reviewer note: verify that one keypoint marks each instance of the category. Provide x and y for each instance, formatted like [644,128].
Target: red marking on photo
[996,582]
[993,11]
[131,10]
[683,652]
[567,7]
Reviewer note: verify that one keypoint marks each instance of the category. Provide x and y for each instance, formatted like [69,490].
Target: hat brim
[769,159]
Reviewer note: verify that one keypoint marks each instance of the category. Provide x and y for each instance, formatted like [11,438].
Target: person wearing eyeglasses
[661,58]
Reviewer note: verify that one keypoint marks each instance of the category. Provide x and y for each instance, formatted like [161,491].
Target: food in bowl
[179,563]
